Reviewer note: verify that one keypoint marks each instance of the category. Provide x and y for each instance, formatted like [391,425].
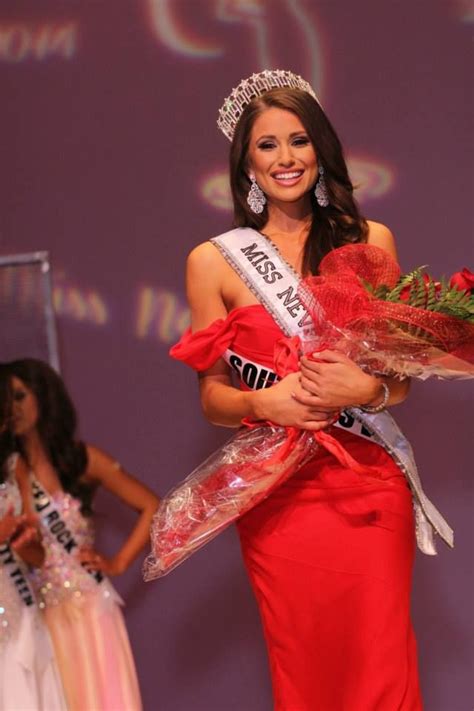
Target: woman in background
[81,608]
[29,679]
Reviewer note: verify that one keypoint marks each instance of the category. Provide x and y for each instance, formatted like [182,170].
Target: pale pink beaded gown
[85,622]
[29,679]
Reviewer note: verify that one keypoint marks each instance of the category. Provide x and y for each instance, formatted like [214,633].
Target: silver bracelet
[372,409]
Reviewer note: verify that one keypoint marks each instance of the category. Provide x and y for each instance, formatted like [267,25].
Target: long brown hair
[7,439]
[57,423]
[332,226]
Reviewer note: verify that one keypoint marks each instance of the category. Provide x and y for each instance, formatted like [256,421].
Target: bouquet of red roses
[360,304]
[401,325]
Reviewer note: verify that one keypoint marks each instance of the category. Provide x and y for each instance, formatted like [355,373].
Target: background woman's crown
[256,85]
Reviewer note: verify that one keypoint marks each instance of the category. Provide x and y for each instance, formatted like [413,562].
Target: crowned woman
[329,553]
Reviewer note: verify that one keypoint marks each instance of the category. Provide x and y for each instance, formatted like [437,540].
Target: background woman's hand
[26,534]
[26,540]
[12,527]
[8,525]
[335,381]
[283,404]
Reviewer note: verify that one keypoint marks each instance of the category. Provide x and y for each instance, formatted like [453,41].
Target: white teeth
[288,176]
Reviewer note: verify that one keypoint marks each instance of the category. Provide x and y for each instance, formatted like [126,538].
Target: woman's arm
[222,403]
[102,469]
[337,381]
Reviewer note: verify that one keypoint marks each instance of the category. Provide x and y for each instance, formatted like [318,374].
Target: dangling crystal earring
[256,198]
[321,190]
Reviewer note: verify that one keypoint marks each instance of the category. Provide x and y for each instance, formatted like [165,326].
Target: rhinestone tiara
[256,85]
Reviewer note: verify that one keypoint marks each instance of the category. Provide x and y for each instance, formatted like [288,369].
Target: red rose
[405,292]
[463,280]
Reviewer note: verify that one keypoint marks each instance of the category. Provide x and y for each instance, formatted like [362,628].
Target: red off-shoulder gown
[329,555]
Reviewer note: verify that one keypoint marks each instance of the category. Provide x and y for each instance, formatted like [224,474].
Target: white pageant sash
[12,564]
[16,572]
[259,264]
[52,521]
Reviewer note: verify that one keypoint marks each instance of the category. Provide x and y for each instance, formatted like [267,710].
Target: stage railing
[27,318]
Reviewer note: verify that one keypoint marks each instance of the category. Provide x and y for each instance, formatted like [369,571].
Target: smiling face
[25,408]
[281,156]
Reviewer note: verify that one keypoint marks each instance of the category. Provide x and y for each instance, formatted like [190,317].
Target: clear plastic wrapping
[231,481]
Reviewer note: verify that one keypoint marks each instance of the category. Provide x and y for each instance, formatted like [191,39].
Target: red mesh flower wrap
[384,337]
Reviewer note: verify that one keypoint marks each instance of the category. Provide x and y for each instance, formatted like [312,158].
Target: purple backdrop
[112,162]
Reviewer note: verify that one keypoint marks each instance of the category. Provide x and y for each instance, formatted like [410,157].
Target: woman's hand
[284,404]
[27,533]
[335,381]
[102,469]
[8,525]
[13,528]
[26,541]
[92,560]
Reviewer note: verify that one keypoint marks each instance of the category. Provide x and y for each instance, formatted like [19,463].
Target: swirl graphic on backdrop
[465,10]
[372,179]
[170,30]
[214,189]
[170,23]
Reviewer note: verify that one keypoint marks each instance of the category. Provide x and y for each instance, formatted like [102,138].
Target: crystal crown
[256,85]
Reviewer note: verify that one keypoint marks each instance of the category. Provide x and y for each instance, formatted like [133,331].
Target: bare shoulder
[205,269]
[205,276]
[203,257]
[382,237]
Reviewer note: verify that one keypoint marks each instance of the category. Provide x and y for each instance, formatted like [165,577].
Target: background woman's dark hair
[332,226]
[56,426]
[7,439]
